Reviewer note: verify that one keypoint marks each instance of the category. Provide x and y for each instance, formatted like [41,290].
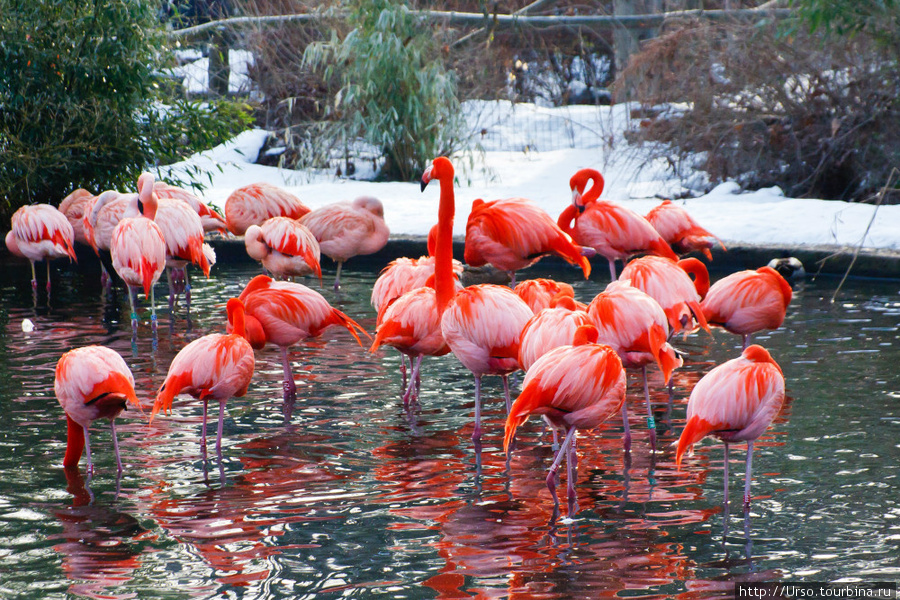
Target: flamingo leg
[476,432]
[403,369]
[651,422]
[612,269]
[290,388]
[115,440]
[153,322]
[746,341]
[171,282]
[505,379]
[337,276]
[552,429]
[572,476]
[187,294]
[627,428]
[220,430]
[33,277]
[725,475]
[48,279]
[411,391]
[554,468]
[512,280]
[87,450]
[747,475]
[131,300]
[203,431]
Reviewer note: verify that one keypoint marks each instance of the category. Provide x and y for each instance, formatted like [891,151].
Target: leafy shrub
[818,116]
[395,92]
[79,92]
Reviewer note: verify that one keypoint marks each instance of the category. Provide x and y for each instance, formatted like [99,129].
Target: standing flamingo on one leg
[746,302]
[573,387]
[285,247]
[92,382]
[285,313]
[216,366]
[348,229]
[515,233]
[614,231]
[735,402]
[40,232]
[139,249]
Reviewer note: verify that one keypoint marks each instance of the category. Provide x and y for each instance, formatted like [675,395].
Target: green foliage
[395,92]
[79,100]
[877,18]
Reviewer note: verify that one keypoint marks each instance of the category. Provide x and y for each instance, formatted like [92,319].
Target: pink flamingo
[680,230]
[670,284]
[285,313]
[285,247]
[348,229]
[735,402]
[73,207]
[40,232]
[216,367]
[550,328]
[254,203]
[572,387]
[183,231]
[538,293]
[212,221]
[635,325]
[92,382]
[614,231]
[746,302]
[515,233]
[101,215]
[138,247]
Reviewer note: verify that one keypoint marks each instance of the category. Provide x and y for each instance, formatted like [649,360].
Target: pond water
[352,499]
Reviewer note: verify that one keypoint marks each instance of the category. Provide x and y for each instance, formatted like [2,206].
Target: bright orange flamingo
[212,221]
[746,302]
[40,232]
[680,230]
[735,402]
[216,366]
[573,387]
[348,229]
[635,325]
[550,328]
[138,247]
[183,231]
[285,247]
[73,207]
[92,382]
[254,203]
[538,293]
[515,233]
[670,284]
[285,313]
[614,231]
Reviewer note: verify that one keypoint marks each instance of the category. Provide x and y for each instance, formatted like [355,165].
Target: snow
[531,152]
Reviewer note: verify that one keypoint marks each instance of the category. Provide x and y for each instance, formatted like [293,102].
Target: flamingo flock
[575,354]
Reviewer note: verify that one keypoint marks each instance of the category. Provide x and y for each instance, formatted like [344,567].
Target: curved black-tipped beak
[423,184]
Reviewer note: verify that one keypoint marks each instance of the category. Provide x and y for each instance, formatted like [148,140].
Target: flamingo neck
[236,316]
[74,443]
[592,193]
[694,267]
[444,285]
[566,217]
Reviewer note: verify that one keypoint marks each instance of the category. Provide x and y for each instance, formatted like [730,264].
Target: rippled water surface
[350,498]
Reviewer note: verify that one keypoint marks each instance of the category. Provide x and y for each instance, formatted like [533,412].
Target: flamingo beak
[426,177]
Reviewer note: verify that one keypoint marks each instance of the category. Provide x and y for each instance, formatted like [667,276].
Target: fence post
[626,41]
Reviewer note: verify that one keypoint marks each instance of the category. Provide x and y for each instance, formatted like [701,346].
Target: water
[350,499]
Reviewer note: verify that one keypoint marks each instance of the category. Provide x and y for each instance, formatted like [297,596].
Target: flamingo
[345,230]
[748,301]
[101,215]
[92,382]
[614,231]
[254,203]
[211,220]
[550,328]
[670,284]
[73,207]
[735,402]
[216,366]
[635,325]
[680,230]
[285,313]
[183,231]
[285,247]
[515,233]
[137,246]
[538,293]
[574,387]
[40,232]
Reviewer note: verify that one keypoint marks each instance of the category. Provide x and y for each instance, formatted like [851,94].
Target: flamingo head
[147,199]
[371,204]
[581,194]
[440,168]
